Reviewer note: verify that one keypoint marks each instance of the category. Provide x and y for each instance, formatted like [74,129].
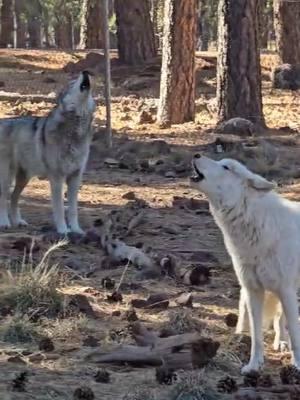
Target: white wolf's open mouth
[197,176]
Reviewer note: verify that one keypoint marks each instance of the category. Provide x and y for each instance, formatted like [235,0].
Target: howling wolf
[261,232]
[55,146]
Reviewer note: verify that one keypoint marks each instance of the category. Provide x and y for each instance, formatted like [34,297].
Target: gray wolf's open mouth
[197,176]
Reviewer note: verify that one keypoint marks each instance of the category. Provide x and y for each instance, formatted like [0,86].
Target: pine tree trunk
[136,42]
[7,23]
[203,27]
[35,24]
[177,87]
[287,30]
[92,36]
[21,24]
[239,74]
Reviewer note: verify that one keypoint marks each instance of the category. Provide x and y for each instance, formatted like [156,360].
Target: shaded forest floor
[154,164]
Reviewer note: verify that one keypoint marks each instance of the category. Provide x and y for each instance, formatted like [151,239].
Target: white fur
[261,232]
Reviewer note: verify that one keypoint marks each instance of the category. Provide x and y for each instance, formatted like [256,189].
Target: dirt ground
[170,225]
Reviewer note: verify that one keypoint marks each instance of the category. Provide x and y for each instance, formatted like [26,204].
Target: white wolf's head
[226,182]
[78,95]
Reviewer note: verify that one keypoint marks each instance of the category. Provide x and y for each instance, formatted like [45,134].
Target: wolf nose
[197,155]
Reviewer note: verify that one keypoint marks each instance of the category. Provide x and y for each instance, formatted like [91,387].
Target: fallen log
[185,351]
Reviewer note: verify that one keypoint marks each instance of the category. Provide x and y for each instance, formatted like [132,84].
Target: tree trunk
[287,30]
[239,74]
[21,24]
[157,15]
[136,42]
[92,35]
[177,87]
[7,23]
[203,27]
[35,12]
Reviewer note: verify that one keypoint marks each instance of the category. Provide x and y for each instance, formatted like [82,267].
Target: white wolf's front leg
[73,182]
[243,320]
[288,297]
[255,304]
[58,204]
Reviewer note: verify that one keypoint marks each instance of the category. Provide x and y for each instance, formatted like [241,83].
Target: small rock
[116,313]
[36,357]
[186,300]
[16,360]
[203,351]
[46,344]
[91,341]
[145,117]
[158,301]
[165,376]
[286,76]
[170,174]
[139,303]
[237,126]
[102,376]
[231,320]
[83,393]
[111,162]
[129,196]
[48,79]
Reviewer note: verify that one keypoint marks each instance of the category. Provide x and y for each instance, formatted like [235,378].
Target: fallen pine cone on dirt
[227,385]
[83,393]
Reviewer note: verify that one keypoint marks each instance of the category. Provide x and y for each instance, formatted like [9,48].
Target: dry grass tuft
[33,289]
[18,329]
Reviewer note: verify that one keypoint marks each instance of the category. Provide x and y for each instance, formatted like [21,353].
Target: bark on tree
[136,42]
[35,12]
[92,34]
[177,87]
[21,24]
[287,30]
[203,27]
[7,23]
[239,74]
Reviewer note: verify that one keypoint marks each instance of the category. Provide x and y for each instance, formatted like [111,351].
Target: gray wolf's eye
[225,167]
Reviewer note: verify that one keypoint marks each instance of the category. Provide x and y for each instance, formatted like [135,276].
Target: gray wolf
[55,146]
[261,232]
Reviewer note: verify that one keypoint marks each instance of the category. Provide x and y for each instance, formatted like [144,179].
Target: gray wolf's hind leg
[21,182]
[5,181]
[73,182]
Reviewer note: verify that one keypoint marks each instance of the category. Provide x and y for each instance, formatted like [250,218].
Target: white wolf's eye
[225,167]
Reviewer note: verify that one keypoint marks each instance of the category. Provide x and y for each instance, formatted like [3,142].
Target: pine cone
[227,385]
[290,375]
[251,379]
[165,376]
[102,376]
[18,384]
[83,393]
[265,381]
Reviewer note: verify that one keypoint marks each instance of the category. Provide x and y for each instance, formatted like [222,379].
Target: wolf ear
[259,183]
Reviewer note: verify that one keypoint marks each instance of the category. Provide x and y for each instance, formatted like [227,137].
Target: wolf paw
[4,223]
[253,366]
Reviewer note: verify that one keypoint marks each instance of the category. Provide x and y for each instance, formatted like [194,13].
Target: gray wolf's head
[78,95]
[226,182]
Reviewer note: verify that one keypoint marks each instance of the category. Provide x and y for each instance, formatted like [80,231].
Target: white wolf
[262,235]
[56,146]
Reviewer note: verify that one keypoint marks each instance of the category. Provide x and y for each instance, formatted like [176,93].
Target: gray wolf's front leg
[73,182]
[58,204]
[5,180]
